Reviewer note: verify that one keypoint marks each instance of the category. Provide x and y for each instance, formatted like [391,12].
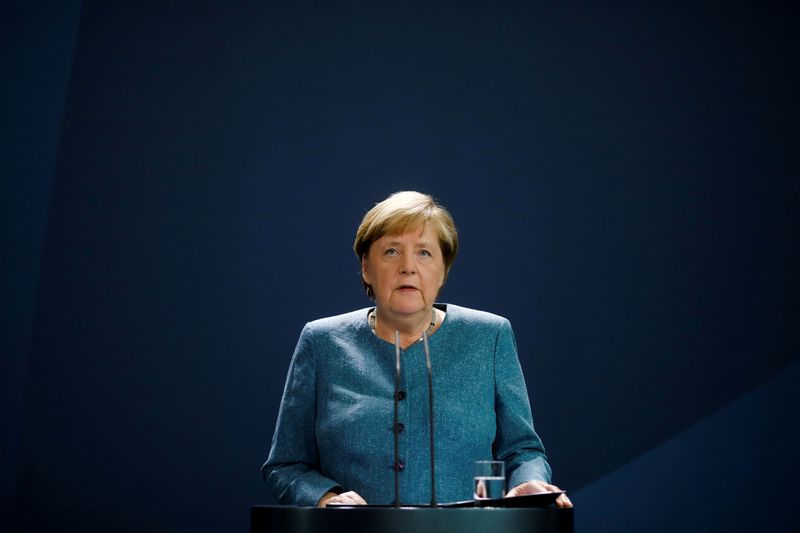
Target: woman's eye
[391,251]
[425,253]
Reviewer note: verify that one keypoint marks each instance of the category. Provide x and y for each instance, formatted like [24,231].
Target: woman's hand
[346,498]
[535,487]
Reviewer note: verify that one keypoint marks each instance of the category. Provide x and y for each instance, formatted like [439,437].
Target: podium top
[540,499]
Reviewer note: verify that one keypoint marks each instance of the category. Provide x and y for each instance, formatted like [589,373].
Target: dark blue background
[181,183]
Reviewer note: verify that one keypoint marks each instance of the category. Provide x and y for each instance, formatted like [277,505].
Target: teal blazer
[335,425]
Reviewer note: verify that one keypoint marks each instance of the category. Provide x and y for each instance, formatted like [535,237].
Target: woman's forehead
[417,232]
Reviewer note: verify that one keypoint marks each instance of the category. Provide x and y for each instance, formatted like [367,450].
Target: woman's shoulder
[468,317]
[344,324]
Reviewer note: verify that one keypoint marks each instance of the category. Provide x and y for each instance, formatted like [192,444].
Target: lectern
[285,519]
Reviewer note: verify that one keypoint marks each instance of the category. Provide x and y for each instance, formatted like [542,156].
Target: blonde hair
[403,211]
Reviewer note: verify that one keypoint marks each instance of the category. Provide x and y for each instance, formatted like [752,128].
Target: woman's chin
[407,309]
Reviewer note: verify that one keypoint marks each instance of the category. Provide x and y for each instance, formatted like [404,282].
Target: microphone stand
[430,416]
[394,429]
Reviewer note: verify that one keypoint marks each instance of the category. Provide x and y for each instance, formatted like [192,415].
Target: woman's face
[405,271]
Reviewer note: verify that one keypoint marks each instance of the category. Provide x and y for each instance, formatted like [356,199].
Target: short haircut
[403,211]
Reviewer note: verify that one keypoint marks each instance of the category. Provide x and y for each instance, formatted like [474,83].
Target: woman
[334,438]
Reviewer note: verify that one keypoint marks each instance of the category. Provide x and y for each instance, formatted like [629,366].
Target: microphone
[430,415]
[396,434]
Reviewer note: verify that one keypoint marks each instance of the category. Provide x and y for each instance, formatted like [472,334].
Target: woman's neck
[410,329]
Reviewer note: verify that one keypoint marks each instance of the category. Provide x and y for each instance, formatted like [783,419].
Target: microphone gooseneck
[430,416]
[396,435]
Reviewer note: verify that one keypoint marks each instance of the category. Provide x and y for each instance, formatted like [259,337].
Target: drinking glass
[490,482]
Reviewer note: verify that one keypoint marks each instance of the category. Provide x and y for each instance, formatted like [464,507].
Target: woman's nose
[408,266]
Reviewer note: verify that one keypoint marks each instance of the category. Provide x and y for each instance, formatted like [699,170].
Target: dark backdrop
[624,178]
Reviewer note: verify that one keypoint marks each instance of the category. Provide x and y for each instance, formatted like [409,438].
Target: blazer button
[400,466]
[400,395]
[399,428]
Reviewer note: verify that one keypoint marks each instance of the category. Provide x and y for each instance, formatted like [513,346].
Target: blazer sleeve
[291,470]
[516,442]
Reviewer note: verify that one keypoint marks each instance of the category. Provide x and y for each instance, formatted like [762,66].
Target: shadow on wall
[734,471]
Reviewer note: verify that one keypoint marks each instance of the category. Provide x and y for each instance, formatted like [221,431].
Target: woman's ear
[364,270]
